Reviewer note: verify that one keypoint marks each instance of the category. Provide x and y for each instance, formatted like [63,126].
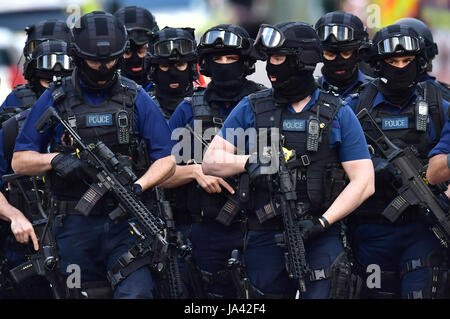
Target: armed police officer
[409,255]
[25,95]
[103,106]
[430,52]
[173,67]
[140,24]
[328,141]
[439,166]
[49,60]
[226,54]
[341,34]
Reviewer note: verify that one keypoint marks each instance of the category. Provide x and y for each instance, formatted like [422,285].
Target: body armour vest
[166,112]
[333,89]
[320,176]
[111,122]
[209,205]
[25,95]
[401,129]
[15,197]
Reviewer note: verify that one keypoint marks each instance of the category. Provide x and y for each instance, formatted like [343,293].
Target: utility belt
[218,208]
[210,219]
[184,218]
[63,208]
[412,214]
[268,217]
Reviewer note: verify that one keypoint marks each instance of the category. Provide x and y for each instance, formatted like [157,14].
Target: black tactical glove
[137,189]
[310,228]
[255,167]
[386,173]
[69,167]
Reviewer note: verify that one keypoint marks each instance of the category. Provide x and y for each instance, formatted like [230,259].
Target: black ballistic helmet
[139,22]
[227,39]
[291,38]
[341,31]
[49,58]
[172,45]
[391,41]
[51,29]
[100,37]
[431,49]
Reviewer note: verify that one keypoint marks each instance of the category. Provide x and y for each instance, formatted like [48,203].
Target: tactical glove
[69,167]
[310,228]
[137,189]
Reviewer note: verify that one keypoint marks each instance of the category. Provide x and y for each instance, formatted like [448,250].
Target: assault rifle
[238,275]
[295,257]
[415,189]
[175,246]
[45,261]
[112,176]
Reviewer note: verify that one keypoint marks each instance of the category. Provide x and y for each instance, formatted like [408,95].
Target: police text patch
[294,125]
[104,119]
[394,123]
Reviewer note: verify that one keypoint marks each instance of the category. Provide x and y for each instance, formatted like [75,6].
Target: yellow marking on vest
[287,154]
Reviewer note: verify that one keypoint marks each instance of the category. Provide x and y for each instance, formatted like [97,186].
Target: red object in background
[15,76]
[201,79]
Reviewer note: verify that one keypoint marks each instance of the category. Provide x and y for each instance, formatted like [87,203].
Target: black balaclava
[341,81]
[400,82]
[169,97]
[134,62]
[292,85]
[39,74]
[37,87]
[90,77]
[227,80]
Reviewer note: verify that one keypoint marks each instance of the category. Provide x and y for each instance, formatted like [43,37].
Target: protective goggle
[340,32]
[165,48]
[405,42]
[48,62]
[140,36]
[228,38]
[269,36]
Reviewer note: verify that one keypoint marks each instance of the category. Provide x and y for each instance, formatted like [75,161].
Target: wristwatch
[448,160]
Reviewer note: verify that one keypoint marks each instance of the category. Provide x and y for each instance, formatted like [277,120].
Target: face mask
[132,63]
[37,87]
[344,80]
[91,77]
[227,75]
[171,76]
[400,82]
[291,85]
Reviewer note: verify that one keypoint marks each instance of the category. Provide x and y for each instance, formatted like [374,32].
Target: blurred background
[202,14]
